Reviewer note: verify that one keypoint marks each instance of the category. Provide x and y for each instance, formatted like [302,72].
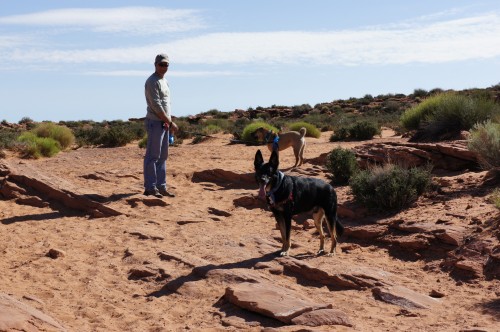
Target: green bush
[61,134]
[495,198]
[116,136]
[364,130]
[339,134]
[485,141]
[36,147]
[342,164]
[390,187]
[8,137]
[444,115]
[212,129]
[248,131]
[311,130]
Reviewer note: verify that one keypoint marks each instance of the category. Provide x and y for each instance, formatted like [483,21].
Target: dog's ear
[259,160]
[274,160]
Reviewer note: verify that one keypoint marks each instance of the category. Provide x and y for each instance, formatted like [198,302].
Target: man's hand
[173,127]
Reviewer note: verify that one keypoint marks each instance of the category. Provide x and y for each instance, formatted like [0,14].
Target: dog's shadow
[200,272]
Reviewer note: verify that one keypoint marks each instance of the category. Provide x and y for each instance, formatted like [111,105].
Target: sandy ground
[89,289]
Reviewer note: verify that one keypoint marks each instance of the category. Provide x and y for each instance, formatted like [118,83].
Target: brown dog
[295,139]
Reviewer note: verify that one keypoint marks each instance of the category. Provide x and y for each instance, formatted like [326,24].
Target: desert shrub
[299,110]
[248,131]
[212,129]
[34,146]
[445,115]
[485,141]
[324,122]
[342,165]
[390,187]
[8,137]
[339,134]
[89,135]
[420,93]
[391,106]
[495,198]
[143,142]
[364,130]
[412,118]
[223,125]
[61,134]
[311,130]
[239,125]
[116,136]
[28,122]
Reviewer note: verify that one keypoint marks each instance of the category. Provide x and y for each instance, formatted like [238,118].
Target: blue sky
[88,60]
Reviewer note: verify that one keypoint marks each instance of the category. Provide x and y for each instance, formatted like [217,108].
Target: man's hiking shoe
[165,192]
[153,192]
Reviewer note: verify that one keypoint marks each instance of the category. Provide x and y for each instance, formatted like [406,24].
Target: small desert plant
[485,141]
[364,130]
[342,164]
[339,134]
[212,129]
[390,187]
[443,116]
[61,134]
[495,198]
[420,93]
[8,137]
[116,136]
[34,146]
[248,131]
[311,130]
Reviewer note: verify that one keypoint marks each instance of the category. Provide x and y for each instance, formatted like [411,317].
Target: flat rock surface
[165,264]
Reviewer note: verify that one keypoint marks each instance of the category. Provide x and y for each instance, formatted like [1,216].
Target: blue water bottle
[170,139]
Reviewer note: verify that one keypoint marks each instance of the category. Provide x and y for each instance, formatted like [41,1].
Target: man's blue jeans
[155,159]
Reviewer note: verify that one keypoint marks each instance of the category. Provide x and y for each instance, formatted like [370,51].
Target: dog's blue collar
[275,141]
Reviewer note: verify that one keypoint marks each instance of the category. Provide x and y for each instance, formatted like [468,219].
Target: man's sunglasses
[163,64]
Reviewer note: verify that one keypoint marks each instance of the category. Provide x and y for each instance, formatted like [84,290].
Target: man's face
[162,67]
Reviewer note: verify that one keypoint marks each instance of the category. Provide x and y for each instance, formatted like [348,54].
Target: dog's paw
[320,252]
[284,253]
[331,254]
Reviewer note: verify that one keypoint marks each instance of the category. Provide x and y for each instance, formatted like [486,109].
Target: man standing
[158,124]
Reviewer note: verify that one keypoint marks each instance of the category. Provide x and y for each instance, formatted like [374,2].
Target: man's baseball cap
[162,57]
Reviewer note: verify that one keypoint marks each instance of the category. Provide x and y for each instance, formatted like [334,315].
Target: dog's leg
[280,220]
[301,153]
[318,216]
[296,151]
[288,240]
[331,221]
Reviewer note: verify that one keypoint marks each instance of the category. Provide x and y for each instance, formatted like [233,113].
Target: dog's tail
[302,132]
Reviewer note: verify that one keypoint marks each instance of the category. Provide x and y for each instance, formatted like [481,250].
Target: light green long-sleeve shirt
[157,94]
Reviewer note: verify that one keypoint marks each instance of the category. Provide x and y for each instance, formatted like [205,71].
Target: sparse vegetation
[342,165]
[311,130]
[485,141]
[444,115]
[390,187]
[361,130]
[33,146]
[495,198]
[61,134]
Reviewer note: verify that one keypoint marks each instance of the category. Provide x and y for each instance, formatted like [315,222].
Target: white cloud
[143,73]
[144,20]
[469,38]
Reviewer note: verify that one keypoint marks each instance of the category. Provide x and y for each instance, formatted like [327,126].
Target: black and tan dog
[290,195]
[294,139]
